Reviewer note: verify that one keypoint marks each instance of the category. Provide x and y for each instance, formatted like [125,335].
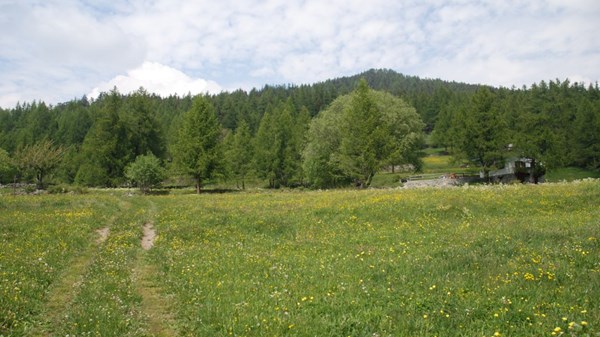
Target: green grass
[519,260]
[437,162]
[570,174]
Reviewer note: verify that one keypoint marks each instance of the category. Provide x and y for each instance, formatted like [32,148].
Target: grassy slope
[516,260]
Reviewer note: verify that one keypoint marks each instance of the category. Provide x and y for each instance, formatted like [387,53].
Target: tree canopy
[358,135]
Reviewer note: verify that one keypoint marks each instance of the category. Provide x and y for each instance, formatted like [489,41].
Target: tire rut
[155,305]
[63,292]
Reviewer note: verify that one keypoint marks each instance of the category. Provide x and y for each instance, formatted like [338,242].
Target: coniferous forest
[339,132]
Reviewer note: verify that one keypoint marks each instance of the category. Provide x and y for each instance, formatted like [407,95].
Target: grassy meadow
[517,260]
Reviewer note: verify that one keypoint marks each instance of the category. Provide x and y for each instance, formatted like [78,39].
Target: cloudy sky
[57,50]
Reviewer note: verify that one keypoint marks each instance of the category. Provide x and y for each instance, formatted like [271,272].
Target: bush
[146,172]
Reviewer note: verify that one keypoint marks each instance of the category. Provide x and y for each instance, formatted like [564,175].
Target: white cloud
[159,79]
[59,49]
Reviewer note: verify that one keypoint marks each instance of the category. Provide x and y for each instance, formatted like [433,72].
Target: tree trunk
[533,176]
[40,180]
[198,185]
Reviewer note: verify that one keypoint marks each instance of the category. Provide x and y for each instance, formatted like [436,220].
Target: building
[521,169]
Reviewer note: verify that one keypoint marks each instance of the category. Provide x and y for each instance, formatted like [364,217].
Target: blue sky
[56,50]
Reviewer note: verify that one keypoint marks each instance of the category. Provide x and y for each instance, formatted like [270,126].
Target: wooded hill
[556,122]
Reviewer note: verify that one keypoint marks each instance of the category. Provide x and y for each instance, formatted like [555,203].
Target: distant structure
[525,170]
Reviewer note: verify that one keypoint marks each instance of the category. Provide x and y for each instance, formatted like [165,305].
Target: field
[518,260]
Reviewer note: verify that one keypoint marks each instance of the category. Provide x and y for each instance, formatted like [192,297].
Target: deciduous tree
[40,159]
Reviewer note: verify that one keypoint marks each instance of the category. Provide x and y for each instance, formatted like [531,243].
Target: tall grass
[516,260]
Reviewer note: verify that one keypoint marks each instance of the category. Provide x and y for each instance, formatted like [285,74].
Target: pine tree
[481,132]
[267,147]
[101,155]
[240,153]
[197,151]
[361,147]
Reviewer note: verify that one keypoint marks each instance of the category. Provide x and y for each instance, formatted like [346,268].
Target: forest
[339,132]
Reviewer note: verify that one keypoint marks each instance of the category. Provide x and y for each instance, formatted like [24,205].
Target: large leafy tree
[39,159]
[197,151]
[357,135]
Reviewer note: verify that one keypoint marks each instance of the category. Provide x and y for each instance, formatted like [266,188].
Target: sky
[58,50]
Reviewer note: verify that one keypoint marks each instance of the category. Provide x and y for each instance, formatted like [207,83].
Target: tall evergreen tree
[365,138]
[240,153]
[481,132]
[101,157]
[197,151]
[268,144]
[586,147]
[143,133]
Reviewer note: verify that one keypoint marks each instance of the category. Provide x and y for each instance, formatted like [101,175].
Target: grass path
[62,293]
[154,306]
[153,309]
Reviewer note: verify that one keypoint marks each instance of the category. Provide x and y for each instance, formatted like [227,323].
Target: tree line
[322,135]
[118,137]
[556,124]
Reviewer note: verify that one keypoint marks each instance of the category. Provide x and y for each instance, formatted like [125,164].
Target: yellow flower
[584,323]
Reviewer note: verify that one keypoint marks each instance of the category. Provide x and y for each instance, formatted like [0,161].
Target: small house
[522,169]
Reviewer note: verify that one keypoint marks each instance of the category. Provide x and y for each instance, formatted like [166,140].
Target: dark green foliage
[102,150]
[553,122]
[587,135]
[240,153]
[481,132]
[7,167]
[197,150]
[124,128]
